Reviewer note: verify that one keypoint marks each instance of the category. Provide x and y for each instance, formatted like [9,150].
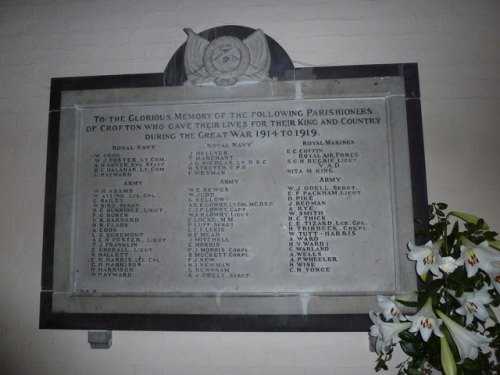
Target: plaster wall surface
[455,42]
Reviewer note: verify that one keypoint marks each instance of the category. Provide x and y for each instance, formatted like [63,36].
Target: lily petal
[375,332]
[427,258]
[391,308]
[478,256]
[467,342]
[385,332]
[390,330]
[425,322]
[473,304]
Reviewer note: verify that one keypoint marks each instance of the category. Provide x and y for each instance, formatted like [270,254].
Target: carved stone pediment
[226,60]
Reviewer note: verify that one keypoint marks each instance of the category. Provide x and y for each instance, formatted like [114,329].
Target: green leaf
[472,219]
[480,282]
[407,303]
[494,244]
[413,371]
[410,348]
[442,206]
[492,314]
[491,235]
[417,362]
[472,365]
[481,224]
[408,336]
[459,290]
[381,366]
[455,230]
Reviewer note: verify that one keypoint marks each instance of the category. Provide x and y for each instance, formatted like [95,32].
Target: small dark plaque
[232,192]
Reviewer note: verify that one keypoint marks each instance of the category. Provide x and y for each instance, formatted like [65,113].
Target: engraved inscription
[262,197]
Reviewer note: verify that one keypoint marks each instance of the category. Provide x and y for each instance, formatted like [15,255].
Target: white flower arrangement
[454,323]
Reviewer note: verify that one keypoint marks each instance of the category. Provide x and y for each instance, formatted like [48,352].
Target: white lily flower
[478,256]
[391,308]
[467,342]
[450,264]
[385,332]
[425,321]
[473,304]
[427,258]
[375,332]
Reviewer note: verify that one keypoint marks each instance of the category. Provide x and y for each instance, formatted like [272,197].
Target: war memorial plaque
[238,200]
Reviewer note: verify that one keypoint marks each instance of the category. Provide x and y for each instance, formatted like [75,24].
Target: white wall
[455,42]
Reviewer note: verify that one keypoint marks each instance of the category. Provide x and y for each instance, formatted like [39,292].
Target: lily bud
[447,360]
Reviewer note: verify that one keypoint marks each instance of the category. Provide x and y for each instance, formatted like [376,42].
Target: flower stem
[445,235]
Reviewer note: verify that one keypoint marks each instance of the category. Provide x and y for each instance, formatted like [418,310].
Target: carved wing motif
[226,60]
[193,58]
[260,56]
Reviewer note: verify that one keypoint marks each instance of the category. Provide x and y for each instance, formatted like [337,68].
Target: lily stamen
[395,313]
[472,258]
[472,307]
[429,259]
[425,323]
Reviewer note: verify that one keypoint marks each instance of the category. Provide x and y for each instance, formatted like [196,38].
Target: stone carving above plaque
[226,60]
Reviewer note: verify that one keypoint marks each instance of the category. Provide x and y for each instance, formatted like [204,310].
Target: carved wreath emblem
[226,60]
